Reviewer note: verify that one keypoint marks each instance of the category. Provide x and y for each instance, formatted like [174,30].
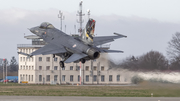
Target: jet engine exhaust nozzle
[93,53]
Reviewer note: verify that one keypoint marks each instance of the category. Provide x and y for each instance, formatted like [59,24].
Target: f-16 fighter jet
[71,49]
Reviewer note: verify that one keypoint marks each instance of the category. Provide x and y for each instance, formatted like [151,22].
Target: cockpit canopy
[46,25]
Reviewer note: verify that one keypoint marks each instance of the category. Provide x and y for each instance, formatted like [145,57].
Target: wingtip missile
[120,35]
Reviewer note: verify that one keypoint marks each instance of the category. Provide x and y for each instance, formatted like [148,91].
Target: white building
[44,69]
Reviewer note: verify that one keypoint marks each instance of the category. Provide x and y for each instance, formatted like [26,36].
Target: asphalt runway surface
[70,98]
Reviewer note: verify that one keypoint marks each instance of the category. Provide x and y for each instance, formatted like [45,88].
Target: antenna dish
[81,1]
[88,10]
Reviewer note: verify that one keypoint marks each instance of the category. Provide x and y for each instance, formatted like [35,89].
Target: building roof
[32,37]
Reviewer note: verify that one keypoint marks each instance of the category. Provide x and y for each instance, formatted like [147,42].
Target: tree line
[12,67]
[154,60]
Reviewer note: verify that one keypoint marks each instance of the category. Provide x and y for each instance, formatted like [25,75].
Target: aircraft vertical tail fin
[88,32]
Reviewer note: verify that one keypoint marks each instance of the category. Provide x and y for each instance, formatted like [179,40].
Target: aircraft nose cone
[34,30]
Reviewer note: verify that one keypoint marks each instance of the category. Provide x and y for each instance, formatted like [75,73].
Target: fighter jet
[71,49]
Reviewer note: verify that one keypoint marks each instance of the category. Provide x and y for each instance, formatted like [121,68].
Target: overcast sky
[149,24]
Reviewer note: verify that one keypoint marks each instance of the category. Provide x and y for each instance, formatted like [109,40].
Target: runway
[67,98]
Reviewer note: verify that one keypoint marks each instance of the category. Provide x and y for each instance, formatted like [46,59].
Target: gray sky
[149,24]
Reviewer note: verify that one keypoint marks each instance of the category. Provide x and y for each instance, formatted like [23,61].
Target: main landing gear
[83,61]
[61,63]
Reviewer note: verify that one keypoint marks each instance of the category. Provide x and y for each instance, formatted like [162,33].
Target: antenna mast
[61,17]
[80,21]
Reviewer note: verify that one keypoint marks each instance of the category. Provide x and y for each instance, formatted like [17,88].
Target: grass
[143,90]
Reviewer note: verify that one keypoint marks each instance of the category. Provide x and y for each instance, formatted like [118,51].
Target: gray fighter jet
[71,49]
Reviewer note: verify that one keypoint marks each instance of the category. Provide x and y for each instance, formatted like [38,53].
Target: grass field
[142,90]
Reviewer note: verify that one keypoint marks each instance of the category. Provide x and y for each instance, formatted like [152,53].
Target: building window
[47,67]
[71,78]
[21,67]
[55,67]
[21,59]
[29,77]
[95,78]
[63,68]
[26,67]
[40,67]
[102,68]
[32,78]
[40,58]
[87,78]
[118,77]
[47,77]
[110,77]
[77,67]
[26,77]
[21,77]
[48,59]
[71,67]
[32,67]
[40,78]
[29,67]
[29,50]
[125,80]
[55,59]
[55,77]
[87,68]
[102,78]
[78,78]
[63,77]
[95,68]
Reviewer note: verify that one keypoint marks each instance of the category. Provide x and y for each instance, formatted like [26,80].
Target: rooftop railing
[28,45]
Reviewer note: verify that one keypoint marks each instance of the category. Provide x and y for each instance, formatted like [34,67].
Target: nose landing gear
[61,63]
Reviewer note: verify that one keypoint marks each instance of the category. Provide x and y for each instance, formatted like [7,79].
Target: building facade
[44,69]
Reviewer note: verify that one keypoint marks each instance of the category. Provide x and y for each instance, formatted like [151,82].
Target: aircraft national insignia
[74,45]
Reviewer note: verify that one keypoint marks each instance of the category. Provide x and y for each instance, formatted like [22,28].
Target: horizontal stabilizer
[105,39]
[75,57]
[28,55]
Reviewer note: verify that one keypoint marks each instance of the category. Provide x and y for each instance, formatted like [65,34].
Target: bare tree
[173,51]
[152,60]
[13,64]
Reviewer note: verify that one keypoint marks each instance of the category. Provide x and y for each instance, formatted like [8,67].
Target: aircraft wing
[74,57]
[47,49]
[105,39]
